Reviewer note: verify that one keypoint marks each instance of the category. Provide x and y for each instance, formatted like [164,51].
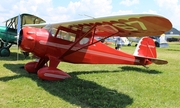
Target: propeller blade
[19,24]
[18,30]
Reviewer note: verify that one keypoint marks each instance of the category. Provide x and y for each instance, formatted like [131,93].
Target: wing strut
[68,51]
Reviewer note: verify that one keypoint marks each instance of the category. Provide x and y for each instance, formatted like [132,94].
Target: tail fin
[146,49]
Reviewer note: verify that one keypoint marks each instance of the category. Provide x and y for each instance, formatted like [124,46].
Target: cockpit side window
[66,35]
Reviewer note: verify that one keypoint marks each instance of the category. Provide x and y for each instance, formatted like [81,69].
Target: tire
[4,52]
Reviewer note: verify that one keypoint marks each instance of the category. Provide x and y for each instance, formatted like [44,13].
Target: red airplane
[75,42]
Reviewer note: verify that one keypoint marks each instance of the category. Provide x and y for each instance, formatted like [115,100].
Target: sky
[64,10]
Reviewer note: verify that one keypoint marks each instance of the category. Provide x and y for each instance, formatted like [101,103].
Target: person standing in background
[118,43]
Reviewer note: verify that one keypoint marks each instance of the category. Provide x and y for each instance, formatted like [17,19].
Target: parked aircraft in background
[134,40]
[8,33]
[124,41]
[160,41]
[111,40]
[75,42]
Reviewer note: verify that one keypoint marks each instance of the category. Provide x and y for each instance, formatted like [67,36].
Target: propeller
[18,31]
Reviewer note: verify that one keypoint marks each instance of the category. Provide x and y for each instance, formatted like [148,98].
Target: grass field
[94,86]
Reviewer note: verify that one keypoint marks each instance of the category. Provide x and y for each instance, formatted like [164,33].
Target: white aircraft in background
[160,41]
[124,40]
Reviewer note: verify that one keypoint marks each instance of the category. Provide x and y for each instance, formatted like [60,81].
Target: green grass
[94,86]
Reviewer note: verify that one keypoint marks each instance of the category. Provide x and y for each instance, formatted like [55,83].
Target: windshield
[50,29]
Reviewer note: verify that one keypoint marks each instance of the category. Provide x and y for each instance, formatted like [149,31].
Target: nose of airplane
[26,39]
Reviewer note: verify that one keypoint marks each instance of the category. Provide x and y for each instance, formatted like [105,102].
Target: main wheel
[4,52]
[52,74]
[30,67]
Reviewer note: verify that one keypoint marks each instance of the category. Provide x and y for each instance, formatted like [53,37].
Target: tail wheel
[4,52]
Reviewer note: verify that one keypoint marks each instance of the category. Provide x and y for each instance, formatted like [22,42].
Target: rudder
[146,48]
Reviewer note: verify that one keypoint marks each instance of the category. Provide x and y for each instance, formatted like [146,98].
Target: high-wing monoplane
[75,42]
[8,33]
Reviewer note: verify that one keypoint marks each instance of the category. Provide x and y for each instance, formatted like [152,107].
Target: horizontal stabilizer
[158,61]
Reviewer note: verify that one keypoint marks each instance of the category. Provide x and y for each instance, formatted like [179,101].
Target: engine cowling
[30,40]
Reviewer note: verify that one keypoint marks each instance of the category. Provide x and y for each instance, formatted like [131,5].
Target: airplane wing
[137,25]
[25,19]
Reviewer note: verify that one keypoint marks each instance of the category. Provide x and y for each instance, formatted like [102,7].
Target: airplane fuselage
[41,43]
[8,34]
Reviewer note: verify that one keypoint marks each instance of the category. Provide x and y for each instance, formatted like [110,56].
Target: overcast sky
[64,10]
